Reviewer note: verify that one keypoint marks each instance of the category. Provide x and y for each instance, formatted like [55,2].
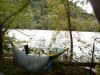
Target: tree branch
[10,16]
[87,14]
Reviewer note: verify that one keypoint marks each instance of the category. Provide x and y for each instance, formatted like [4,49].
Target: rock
[1,73]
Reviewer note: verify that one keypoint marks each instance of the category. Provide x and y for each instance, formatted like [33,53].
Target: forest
[59,18]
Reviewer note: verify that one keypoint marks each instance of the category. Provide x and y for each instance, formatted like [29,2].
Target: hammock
[32,63]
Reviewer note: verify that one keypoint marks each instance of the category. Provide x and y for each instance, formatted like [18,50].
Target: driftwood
[84,64]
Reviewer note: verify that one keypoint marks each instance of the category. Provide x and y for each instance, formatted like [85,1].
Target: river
[82,41]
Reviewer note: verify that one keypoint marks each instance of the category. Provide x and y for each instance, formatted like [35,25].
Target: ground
[9,67]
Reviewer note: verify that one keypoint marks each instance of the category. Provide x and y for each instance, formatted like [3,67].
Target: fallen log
[84,64]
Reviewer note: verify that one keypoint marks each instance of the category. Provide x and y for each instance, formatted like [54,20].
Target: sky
[86,7]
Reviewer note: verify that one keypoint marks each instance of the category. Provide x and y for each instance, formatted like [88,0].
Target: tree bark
[70,32]
[96,8]
[1,40]
[92,60]
[67,9]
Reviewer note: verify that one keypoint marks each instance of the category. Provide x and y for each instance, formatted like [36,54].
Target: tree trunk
[67,9]
[1,40]
[96,8]
[70,32]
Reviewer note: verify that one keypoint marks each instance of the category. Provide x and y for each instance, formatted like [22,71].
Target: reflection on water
[48,38]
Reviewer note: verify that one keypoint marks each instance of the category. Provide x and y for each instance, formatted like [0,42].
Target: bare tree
[66,5]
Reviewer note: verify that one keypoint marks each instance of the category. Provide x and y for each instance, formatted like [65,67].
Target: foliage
[55,17]
[8,66]
[46,14]
[98,69]
[10,12]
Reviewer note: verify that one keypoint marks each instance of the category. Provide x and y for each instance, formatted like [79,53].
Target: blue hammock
[32,63]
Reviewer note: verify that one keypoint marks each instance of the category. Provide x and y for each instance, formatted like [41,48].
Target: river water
[82,41]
